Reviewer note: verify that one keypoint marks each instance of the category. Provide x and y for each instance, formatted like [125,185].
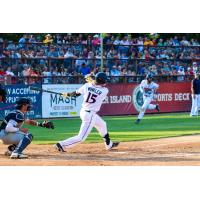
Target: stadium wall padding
[125,99]
[20,90]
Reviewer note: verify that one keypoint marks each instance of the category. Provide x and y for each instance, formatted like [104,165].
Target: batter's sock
[106,139]
[23,143]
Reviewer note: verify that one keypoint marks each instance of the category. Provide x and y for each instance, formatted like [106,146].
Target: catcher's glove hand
[47,124]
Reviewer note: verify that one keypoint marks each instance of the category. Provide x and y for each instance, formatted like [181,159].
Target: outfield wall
[123,99]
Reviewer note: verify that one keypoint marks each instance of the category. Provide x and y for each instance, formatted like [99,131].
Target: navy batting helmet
[23,101]
[149,76]
[3,93]
[101,78]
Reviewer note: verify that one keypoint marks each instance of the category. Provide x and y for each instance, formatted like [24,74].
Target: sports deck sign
[125,99]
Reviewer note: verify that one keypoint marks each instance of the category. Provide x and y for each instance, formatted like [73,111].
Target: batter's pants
[89,120]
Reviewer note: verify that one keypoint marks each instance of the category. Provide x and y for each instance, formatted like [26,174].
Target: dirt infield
[176,151]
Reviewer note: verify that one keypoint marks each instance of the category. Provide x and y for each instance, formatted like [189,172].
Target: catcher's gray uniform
[15,118]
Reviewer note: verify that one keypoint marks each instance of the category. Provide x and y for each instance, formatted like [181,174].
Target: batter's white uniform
[93,97]
[148,91]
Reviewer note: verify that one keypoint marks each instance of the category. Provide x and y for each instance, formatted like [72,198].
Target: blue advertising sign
[15,92]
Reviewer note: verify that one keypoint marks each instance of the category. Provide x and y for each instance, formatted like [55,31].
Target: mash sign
[57,106]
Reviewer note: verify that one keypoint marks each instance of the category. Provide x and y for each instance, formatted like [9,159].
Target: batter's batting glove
[65,94]
[47,124]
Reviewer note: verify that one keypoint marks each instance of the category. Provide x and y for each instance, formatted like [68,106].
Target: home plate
[120,152]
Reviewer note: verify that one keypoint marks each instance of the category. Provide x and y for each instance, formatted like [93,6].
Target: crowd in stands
[63,55]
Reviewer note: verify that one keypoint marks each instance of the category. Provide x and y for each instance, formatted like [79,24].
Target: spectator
[22,41]
[195,67]
[84,70]
[96,40]
[116,41]
[47,75]
[180,74]
[9,72]
[114,71]
[48,39]
[148,42]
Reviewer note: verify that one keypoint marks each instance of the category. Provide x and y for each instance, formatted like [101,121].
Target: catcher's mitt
[47,124]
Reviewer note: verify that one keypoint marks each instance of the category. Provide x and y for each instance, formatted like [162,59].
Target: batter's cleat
[58,147]
[112,145]
[157,108]
[16,155]
[137,121]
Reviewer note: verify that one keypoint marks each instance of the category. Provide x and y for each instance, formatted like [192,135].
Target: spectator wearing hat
[48,39]
[96,40]
[194,67]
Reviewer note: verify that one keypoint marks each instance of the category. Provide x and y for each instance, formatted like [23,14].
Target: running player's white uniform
[148,91]
[93,97]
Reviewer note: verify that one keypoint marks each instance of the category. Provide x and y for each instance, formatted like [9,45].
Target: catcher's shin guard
[24,143]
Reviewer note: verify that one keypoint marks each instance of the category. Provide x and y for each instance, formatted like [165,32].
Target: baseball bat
[43,90]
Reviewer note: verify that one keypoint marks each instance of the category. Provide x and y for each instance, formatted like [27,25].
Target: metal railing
[8,80]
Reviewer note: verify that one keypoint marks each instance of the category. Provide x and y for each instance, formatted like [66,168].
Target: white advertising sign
[54,105]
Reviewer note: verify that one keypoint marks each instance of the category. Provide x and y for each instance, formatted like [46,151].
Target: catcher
[12,133]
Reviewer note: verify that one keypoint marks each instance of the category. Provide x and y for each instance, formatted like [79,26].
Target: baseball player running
[12,133]
[148,89]
[94,94]
[195,89]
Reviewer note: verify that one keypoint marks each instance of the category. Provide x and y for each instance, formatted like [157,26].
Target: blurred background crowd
[64,56]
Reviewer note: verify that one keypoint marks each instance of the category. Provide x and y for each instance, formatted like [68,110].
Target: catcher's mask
[3,94]
[23,101]
[101,78]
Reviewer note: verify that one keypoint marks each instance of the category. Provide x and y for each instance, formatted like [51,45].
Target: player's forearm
[31,122]
[192,90]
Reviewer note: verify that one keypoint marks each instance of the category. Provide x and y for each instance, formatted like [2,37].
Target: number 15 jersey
[93,96]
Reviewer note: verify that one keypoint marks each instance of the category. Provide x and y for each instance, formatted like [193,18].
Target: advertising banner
[18,91]
[57,106]
[125,99]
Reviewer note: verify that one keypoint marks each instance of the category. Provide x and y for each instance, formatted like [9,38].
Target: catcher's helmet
[23,101]
[149,76]
[3,93]
[101,78]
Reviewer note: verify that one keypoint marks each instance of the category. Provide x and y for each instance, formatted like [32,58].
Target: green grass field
[123,128]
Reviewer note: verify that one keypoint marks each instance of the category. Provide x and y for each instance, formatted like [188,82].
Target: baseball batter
[94,94]
[148,89]
[195,90]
